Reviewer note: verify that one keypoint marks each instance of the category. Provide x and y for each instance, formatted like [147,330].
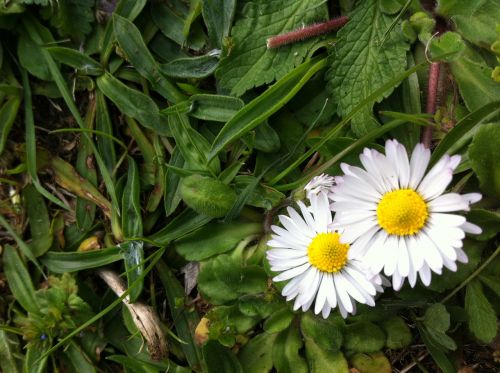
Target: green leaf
[133,103]
[447,47]
[35,361]
[361,65]
[220,359]
[326,333]
[192,145]
[286,355]
[473,76]
[266,104]
[261,196]
[80,61]
[484,156]
[184,223]
[79,359]
[207,196]
[398,333]
[207,107]
[36,209]
[213,239]
[8,351]
[436,317]
[278,321]
[19,280]
[172,197]
[371,363]
[133,257]
[250,63]
[256,356]
[60,262]
[131,204]
[436,352]
[30,54]
[322,360]
[8,114]
[474,20]
[73,18]
[191,68]
[103,123]
[482,320]
[185,320]
[218,16]
[130,40]
[489,221]
[364,336]
[493,282]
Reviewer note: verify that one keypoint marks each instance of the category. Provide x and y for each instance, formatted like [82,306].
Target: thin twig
[430,108]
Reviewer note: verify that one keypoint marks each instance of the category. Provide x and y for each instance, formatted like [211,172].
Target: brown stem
[430,108]
[306,32]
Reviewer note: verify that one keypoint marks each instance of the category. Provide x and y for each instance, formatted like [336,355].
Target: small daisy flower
[398,218]
[319,184]
[309,254]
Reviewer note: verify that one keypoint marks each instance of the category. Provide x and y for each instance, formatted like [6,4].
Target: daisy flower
[309,254]
[398,218]
[319,184]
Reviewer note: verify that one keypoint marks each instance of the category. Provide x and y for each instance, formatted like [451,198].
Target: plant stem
[306,32]
[472,276]
[430,107]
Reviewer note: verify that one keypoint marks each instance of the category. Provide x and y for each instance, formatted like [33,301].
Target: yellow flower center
[402,212]
[326,253]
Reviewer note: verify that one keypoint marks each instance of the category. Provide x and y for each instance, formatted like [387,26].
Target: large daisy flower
[309,253]
[398,218]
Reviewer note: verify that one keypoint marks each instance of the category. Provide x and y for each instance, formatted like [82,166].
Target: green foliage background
[157,141]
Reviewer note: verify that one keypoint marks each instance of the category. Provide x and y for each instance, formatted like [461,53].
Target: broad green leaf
[80,61]
[79,359]
[171,20]
[218,17]
[322,360]
[133,257]
[36,209]
[474,20]
[489,221]
[436,317]
[482,320]
[60,262]
[484,156]
[256,355]
[8,352]
[8,114]
[130,40]
[192,145]
[128,9]
[361,65]
[207,196]
[398,333]
[133,103]
[133,365]
[185,320]
[103,123]
[266,104]
[436,352]
[35,361]
[220,359]
[19,279]
[213,239]
[473,76]
[191,68]
[493,282]
[447,47]
[286,355]
[326,333]
[184,223]
[131,204]
[30,55]
[207,107]
[278,321]
[72,18]
[364,336]
[371,363]
[261,196]
[250,63]
[172,196]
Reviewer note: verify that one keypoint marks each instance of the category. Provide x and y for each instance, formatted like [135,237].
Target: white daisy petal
[342,295]
[392,250]
[397,281]
[471,228]
[321,297]
[448,202]
[472,197]
[287,275]
[403,264]
[425,275]
[418,164]
[447,220]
